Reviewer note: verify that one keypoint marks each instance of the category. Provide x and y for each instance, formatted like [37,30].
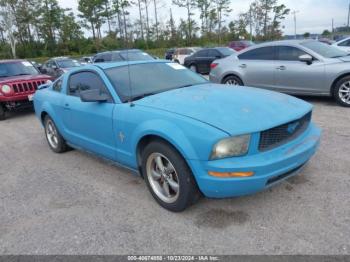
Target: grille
[280,135]
[27,87]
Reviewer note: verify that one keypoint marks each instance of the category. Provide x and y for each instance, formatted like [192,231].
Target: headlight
[6,89]
[229,147]
[48,81]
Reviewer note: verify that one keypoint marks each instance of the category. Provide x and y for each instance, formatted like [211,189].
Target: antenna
[128,61]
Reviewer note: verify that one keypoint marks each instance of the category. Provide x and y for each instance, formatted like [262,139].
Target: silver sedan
[303,67]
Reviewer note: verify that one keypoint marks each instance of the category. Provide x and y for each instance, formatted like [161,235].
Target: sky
[313,16]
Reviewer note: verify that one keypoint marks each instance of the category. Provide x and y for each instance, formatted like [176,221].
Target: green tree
[189,5]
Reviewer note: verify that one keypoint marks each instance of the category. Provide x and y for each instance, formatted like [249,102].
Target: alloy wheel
[51,134]
[163,177]
[344,92]
[232,82]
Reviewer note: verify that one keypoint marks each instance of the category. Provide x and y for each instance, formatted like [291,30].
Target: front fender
[169,132]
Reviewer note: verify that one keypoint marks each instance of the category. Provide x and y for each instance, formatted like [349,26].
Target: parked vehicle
[240,45]
[122,55]
[55,67]
[18,81]
[298,67]
[181,53]
[343,44]
[326,41]
[200,61]
[184,135]
[169,54]
[86,60]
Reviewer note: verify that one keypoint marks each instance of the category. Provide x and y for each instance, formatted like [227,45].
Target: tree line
[33,28]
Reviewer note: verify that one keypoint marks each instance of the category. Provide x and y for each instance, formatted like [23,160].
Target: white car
[343,44]
[181,53]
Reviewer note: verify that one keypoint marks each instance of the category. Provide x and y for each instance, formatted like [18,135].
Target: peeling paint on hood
[235,110]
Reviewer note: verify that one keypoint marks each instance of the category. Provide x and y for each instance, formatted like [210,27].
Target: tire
[54,138]
[232,80]
[341,92]
[176,174]
[193,68]
[2,113]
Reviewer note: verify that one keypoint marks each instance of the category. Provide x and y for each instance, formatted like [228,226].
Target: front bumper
[269,167]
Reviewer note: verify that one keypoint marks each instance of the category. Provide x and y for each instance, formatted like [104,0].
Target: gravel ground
[75,203]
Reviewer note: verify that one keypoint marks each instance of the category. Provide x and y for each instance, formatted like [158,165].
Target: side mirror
[93,95]
[54,67]
[306,59]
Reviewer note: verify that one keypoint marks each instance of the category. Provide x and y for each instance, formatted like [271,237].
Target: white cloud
[314,16]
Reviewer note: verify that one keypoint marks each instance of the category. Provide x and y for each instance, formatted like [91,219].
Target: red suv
[19,80]
[240,45]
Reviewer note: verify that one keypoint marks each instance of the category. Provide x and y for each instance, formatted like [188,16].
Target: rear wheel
[168,177]
[53,136]
[2,112]
[341,92]
[232,80]
[193,68]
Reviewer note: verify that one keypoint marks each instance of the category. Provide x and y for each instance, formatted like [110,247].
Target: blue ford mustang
[184,135]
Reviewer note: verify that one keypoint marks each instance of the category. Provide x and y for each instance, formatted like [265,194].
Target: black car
[200,61]
[57,66]
[122,55]
[169,54]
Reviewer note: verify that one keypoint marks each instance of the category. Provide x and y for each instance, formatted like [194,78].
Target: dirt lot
[75,203]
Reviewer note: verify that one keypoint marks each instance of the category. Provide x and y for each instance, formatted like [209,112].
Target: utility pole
[332,28]
[294,13]
[250,24]
[348,16]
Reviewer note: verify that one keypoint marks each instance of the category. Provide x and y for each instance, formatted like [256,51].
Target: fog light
[230,174]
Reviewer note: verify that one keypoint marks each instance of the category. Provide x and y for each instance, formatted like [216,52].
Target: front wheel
[53,136]
[233,80]
[2,112]
[168,177]
[342,92]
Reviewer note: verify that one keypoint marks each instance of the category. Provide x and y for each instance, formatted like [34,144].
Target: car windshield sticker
[25,63]
[176,66]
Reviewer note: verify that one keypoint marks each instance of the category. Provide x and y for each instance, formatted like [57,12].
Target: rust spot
[220,218]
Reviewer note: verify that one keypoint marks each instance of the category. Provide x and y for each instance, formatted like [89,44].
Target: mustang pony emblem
[292,127]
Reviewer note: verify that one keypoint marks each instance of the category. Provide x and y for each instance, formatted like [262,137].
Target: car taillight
[213,65]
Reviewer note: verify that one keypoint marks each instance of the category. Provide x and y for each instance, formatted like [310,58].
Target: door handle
[281,68]
[243,66]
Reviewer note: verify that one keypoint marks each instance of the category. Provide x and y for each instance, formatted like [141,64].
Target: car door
[212,55]
[200,59]
[89,124]
[257,66]
[296,77]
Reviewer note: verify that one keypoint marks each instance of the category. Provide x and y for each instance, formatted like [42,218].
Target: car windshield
[324,50]
[151,78]
[136,56]
[226,51]
[17,69]
[67,63]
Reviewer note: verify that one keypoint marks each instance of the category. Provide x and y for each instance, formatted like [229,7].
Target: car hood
[235,110]
[23,78]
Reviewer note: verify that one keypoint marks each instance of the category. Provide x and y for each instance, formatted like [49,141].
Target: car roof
[108,65]
[119,51]
[286,42]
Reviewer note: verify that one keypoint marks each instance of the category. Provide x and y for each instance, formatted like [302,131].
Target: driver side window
[84,81]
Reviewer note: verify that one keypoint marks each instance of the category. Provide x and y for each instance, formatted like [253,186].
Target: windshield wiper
[138,97]
[21,74]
